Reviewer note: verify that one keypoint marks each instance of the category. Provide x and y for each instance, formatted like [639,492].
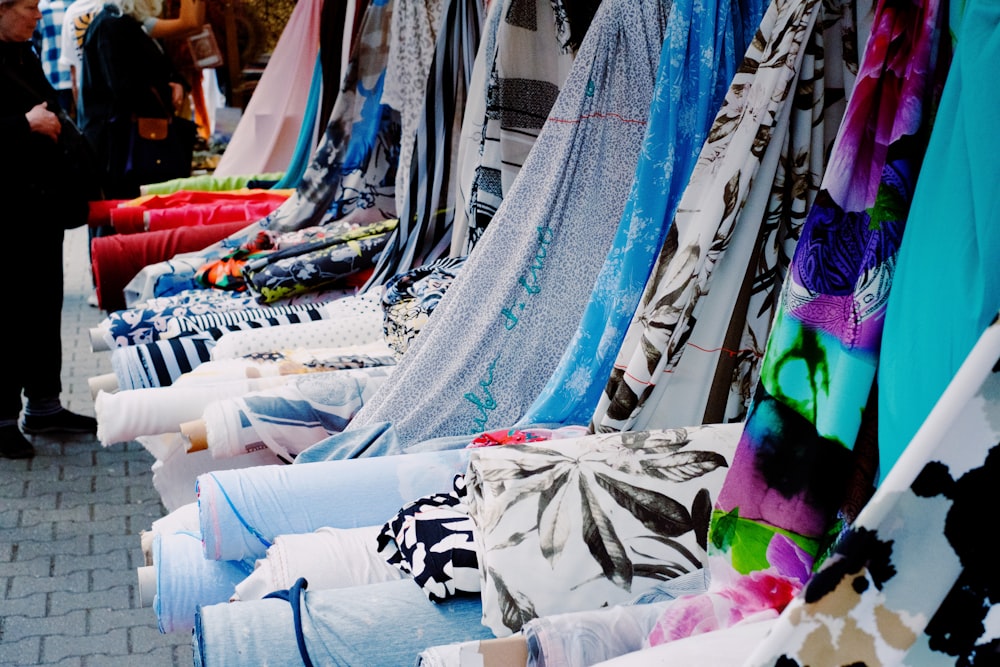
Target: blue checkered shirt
[47,36]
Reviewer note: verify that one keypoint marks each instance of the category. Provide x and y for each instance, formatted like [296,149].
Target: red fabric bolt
[100,212]
[116,259]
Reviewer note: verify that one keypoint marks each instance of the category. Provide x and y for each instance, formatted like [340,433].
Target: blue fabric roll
[358,626]
[242,511]
[185,579]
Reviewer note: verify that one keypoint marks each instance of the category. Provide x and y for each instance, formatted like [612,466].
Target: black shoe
[13,445]
[63,421]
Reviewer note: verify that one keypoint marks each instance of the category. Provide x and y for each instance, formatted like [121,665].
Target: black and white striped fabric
[425,223]
[159,363]
[216,324]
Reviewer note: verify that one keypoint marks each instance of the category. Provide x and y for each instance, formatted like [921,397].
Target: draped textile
[308,132]
[910,582]
[425,220]
[584,523]
[727,251]
[947,279]
[700,54]
[117,258]
[805,439]
[497,332]
[413,33]
[242,511]
[288,418]
[524,57]
[353,169]
[265,137]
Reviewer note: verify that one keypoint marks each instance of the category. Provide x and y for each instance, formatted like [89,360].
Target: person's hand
[177,95]
[42,121]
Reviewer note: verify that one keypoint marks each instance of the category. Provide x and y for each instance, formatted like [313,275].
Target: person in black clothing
[34,204]
[126,73]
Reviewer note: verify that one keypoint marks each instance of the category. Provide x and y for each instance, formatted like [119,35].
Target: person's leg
[41,340]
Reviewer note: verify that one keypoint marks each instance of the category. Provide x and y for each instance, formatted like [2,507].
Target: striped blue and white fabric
[425,220]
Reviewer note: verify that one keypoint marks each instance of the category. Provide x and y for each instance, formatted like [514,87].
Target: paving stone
[58,647]
[76,582]
[19,653]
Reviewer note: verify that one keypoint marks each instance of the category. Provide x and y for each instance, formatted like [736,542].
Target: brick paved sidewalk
[70,521]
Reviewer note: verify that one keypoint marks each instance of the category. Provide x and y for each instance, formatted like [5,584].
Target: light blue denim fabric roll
[377,625]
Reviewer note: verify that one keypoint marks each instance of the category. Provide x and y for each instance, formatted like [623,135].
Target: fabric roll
[948,280]
[264,139]
[117,258]
[146,322]
[242,511]
[722,648]
[159,363]
[705,41]
[211,214]
[424,230]
[291,362]
[235,320]
[327,558]
[807,458]
[619,513]
[155,212]
[591,636]
[501,326]
[124,415]
[696,341]
[185,579]
[525,54]
[910,581]
[289,418]
[165,317]
[289,272]
[237,340]
[176,470]
[213,182]
[351,169]
[334,626]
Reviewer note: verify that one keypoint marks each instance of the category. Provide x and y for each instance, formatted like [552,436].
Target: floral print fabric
[704,42]
[910,582]
[581,523]
[802,441]
[721,206]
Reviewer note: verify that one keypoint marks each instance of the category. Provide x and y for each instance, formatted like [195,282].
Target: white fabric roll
[349,321]
[327,558]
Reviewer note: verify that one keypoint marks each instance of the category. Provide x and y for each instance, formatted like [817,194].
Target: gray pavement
[70,521]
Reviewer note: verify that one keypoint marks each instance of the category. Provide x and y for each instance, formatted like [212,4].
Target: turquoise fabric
[702,49]
[947,284]
[307,134]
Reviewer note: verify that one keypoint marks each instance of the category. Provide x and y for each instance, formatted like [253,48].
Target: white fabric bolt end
[327,558]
